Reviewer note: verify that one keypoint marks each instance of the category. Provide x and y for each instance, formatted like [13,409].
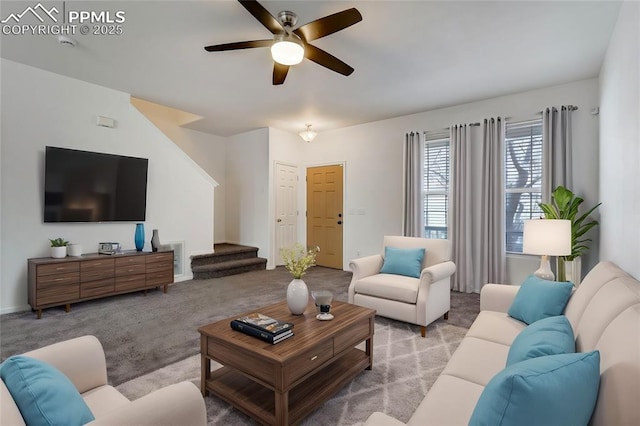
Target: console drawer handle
[313,358]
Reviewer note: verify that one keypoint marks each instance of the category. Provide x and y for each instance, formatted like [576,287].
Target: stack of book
[263,327]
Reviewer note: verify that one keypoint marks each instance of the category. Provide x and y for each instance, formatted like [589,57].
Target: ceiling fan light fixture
[287,49]
[308,135]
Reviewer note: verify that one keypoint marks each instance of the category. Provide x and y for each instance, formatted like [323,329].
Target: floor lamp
[547,237]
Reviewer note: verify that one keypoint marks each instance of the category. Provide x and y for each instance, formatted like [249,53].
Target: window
[436,187]
[523,178]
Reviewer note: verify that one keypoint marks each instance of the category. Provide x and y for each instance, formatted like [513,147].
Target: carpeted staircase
[227,259]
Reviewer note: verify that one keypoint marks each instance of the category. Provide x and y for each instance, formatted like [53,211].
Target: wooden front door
[324,214]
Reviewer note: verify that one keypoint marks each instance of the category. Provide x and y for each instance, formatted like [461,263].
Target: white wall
[40,108]
[247,193]
[373,156]
[209,152]
[620,143]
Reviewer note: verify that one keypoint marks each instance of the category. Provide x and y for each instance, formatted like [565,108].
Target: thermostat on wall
[108,248]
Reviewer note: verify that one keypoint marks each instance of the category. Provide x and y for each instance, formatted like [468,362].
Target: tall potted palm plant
[565,205]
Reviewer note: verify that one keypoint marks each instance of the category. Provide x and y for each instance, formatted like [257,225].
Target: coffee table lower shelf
[258,401]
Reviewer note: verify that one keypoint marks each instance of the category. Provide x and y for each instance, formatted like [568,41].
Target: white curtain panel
[556,150]
[413,221]
[492,256]
[461,209]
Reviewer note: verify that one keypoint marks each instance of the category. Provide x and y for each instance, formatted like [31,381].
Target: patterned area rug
[405,366]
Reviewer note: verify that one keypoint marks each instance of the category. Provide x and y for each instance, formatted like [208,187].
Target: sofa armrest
[180,404]
[81,360]
[381,419]
[497,297]
[438,271]
[366,266]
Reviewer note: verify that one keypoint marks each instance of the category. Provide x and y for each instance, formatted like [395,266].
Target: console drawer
[58,294]
[97,269]
[97,288]
[58,268]
[130,282]
[57,280]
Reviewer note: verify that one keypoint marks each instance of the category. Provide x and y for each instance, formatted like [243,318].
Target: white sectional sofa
[604,312]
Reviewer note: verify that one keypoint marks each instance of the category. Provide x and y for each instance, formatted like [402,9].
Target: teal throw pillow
[549,390]
[403,261]
[549,336]
[44,396]
[538,299]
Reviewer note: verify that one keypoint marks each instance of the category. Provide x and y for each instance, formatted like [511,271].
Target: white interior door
[286,208]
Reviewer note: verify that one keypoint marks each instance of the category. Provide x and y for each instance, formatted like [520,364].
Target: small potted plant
[297,260]
[59,248]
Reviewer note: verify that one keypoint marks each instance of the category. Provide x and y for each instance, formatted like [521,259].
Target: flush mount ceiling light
[308,135]
[66,41]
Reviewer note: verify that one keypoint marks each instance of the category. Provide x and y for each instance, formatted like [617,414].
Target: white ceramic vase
[59,252]
[297,296]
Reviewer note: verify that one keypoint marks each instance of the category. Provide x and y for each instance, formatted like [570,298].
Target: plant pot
[74,250]
[59,252]
[297,296]
[569,270]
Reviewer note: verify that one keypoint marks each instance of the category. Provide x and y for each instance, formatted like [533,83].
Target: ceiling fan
[289,46]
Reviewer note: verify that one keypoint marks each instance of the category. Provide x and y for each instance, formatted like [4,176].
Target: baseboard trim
[13,309]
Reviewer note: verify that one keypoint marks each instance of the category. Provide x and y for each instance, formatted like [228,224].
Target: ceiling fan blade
[327,60]
[262,15]
[279,73]
[239,45]
[329,24]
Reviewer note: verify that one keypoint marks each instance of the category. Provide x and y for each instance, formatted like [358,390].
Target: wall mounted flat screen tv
[83,186]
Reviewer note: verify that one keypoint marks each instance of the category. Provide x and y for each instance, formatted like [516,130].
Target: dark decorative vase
[139,236]
[155,241]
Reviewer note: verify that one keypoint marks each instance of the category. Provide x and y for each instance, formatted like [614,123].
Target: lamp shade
[551,237]
[287,50]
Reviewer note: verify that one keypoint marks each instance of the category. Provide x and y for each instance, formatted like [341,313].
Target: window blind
[436,187]
[523,178]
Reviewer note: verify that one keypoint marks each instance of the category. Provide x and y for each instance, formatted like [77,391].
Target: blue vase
[139,236]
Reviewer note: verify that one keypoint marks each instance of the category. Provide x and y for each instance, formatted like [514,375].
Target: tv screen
[82,186]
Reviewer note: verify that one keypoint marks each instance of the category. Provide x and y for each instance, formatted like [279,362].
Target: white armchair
[414,300]
[82,360]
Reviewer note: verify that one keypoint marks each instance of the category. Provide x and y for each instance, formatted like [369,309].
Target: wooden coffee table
[283,383]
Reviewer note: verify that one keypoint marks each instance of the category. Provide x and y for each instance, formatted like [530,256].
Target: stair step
[224,253]
[231,267]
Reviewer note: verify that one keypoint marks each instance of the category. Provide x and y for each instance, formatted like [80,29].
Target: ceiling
[409,56]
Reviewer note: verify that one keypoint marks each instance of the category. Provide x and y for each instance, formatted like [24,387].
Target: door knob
[339,222]
[339,214]
[279,220]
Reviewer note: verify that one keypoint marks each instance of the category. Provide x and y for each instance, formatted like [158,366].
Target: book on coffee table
[264,323]
[261,334]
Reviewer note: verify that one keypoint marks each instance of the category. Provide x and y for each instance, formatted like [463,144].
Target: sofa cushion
[403,261]
[388,286]
[538,298]
[450,401]
[104,400]
[43,394]
[477,360]
[549,336]
[9,412]
[496,327]
[548,390]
